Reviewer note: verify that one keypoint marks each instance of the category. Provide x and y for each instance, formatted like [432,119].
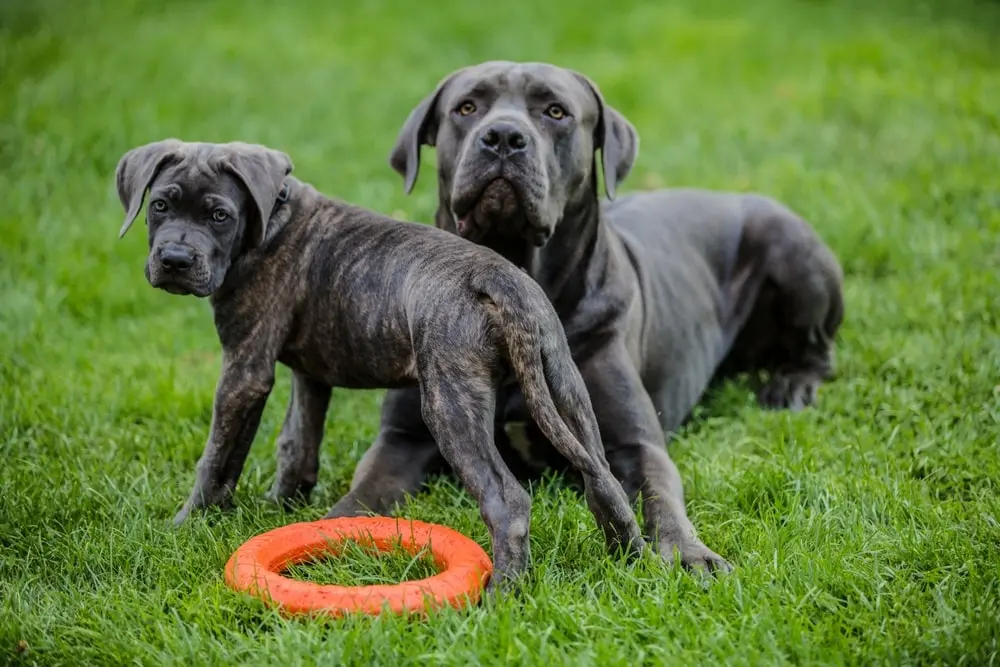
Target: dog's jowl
[660,293]
[349,298]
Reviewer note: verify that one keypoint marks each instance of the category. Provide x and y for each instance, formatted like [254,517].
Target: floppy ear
[263,171]
[617,139]
[136,171]
[419,129]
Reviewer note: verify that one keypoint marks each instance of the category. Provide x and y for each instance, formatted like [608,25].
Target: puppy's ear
[136,171]
[616,138]
[263,171]
[419,129]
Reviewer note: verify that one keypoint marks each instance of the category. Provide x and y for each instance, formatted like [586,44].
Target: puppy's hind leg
[583,449]
[459,411]
[299,440]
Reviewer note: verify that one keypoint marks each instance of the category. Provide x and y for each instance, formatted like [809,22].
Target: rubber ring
[256,567]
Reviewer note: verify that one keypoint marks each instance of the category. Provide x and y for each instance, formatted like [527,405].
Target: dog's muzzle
[177,268]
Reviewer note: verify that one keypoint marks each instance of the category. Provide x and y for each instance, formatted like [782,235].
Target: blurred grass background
[865,531]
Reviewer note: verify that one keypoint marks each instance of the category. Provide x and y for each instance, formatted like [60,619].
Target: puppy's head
[516,145]
[208,204]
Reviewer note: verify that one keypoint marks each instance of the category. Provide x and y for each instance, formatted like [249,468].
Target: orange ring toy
[256,567]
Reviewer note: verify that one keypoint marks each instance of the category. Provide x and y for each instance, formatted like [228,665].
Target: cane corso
[348,298]
[660,293]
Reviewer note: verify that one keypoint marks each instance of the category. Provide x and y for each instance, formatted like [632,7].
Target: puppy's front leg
[300,438]
[239,402]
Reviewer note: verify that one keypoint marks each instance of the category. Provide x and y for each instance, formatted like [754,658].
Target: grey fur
[660,293]
[349,298]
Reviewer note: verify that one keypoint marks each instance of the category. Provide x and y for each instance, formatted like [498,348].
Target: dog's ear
[136,171]
[420,129]
[617,139]
[262,170]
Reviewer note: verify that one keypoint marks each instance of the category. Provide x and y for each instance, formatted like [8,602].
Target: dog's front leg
[636,451]
[239,402]
[300,438]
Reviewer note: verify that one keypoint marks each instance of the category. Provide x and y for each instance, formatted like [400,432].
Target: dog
[660,293]
[345,297]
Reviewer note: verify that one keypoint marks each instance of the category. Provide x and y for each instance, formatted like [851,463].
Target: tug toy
[256,567]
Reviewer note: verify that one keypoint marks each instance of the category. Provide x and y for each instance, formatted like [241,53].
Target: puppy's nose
[176,258]
[503,139]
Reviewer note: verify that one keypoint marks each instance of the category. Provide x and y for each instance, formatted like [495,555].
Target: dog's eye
[158,205]
[555,112]
[220,215]
[465,108]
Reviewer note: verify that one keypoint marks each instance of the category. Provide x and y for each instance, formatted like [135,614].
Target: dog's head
[516,146]
[208,204]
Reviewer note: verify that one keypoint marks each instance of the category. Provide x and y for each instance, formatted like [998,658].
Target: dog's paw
[349,506]
[181,516]
[696,557]
[501,586]
[790,391]
[290,498]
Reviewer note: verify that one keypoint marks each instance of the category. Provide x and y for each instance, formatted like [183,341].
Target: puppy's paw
[202,498]
[349,506]
[696,557]
[182,516]
[790,390]
[500,586]
[292,497]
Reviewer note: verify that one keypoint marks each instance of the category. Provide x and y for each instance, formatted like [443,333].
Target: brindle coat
[349,298]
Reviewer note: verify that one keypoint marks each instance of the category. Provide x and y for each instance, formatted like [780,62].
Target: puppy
[345,297]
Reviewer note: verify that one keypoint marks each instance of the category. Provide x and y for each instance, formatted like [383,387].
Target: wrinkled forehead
[196,172]
[522,82]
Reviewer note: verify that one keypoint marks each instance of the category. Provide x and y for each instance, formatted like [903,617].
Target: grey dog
[349,298]
[660,293]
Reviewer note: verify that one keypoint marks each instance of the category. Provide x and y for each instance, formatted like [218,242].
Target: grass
[864,532]
[358,564]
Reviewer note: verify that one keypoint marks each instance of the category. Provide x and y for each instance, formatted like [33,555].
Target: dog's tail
[554,391]
[540,359]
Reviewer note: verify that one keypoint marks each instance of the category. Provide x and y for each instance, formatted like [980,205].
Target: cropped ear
[262,170]
[617,139]
[136,171]
[419,129]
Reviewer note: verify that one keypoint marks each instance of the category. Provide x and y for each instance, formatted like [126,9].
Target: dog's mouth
[497,206]
[179,289]
[178,284]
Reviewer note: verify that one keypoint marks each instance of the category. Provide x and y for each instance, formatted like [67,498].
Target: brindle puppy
[349,298]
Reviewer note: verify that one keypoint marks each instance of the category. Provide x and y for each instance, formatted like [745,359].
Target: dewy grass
[865,531]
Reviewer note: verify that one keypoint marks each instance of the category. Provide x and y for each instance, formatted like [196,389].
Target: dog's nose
[176,258]
[503,139]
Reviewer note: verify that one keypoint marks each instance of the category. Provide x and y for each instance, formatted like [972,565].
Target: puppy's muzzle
[178,268]
[176,258]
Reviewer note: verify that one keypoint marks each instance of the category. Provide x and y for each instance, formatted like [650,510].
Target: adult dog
[660,293]
[348,298]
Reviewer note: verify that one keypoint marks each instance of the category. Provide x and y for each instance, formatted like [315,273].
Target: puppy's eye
[220,215]
[158,205]
[465,108]
[555,112]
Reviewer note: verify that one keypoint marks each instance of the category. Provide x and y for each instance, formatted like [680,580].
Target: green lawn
[865,531]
